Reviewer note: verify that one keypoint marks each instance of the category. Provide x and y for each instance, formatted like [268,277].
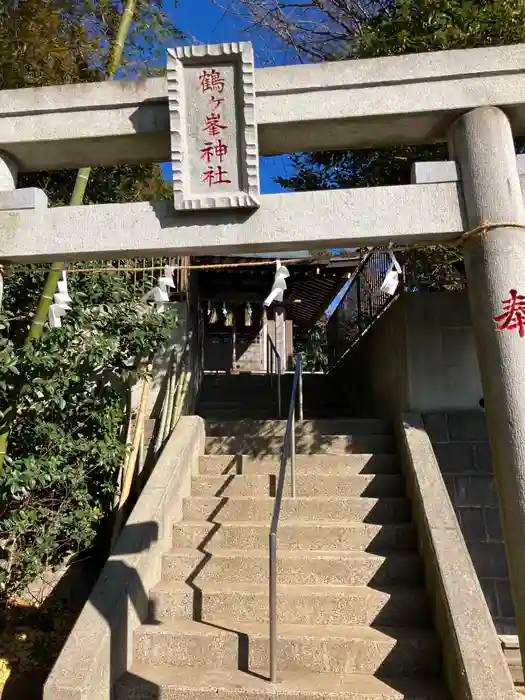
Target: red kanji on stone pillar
[221,150]
[220,177]
[207,151]
[213,125]
[513,315]
[208,175]
[211,80]
[215,176]
[216,102]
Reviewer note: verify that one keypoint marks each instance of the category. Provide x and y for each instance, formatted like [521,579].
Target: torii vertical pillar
[8,173]
[481,142]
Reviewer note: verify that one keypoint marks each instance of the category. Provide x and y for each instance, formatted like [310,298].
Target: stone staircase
[354,619]
[245,395]
[238,396]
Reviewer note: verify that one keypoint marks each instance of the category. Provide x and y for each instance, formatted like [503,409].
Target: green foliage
[406,26]
[52,42]
[312,345]
[122,183]
[400,27]
[66,444]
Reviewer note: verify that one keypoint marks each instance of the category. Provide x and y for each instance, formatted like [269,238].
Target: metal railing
[362,303]
[300,391]
[275,368]
[288,449]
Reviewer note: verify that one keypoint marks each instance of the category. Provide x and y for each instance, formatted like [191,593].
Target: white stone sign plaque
[214,150]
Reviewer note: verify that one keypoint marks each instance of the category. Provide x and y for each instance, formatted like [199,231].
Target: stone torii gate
[219,121]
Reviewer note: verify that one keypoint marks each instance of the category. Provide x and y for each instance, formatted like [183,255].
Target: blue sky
[204,22]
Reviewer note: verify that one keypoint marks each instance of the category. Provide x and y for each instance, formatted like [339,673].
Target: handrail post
[279,407]
[273,607]
[269,365]
[300,391]
[292,453]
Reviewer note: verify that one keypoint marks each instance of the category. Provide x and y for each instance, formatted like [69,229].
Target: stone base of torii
[481,102]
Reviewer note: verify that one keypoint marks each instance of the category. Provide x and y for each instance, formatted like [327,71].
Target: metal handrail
[370,302]
[274,353]
[288,447]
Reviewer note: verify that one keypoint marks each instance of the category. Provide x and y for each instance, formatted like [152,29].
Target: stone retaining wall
[461,446]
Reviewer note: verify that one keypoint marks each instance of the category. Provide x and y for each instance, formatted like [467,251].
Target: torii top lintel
[409,99]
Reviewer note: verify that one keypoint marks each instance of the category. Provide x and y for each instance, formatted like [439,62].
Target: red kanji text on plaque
[213,125]
[215,176]
[211,80]
[218,150]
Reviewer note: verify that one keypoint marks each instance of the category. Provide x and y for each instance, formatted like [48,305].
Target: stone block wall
[461,446]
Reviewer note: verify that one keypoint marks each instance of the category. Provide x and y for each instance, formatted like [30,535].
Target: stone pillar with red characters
[482,144]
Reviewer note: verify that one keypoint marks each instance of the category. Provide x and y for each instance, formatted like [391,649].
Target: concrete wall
[175,343]
[461,447]
[374,373]
[442,362]
[419,356]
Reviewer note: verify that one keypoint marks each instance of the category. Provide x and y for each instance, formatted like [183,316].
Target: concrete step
[260,409]
[229,393]
[237,413]
[318,536]
[308,605]
[233,411]
[232,379]
[261,385]
[327,649]
[269,428]
[148,682]
[318,444]
[309,464]
[310,485]
[262,400]
[308,567]
[357,509]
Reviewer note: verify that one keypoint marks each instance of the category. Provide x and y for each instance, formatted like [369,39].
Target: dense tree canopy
[53,42]
[393,28]
[408,26]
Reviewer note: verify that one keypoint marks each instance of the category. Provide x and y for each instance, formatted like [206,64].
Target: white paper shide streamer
[391,281]
[279,284]
[60,306]
[161,293]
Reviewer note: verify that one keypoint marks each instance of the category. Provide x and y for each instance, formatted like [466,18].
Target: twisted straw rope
[480,229]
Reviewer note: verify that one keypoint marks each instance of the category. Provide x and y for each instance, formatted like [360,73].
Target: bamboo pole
[182,398]
[141,452]
[171,402]
[77,198]
[180,389]
[164,411]
[83,175]
[126,459]
[180,386]
[131,466]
